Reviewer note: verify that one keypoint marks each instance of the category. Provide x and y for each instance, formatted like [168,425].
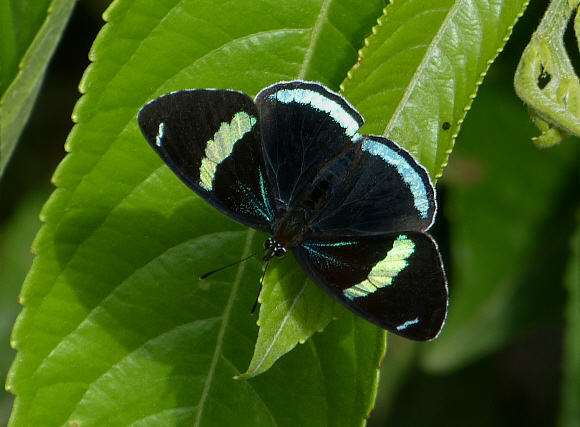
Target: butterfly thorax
[286,231]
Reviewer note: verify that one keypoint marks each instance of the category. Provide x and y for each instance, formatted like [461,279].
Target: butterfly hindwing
[208,138]
[395,281]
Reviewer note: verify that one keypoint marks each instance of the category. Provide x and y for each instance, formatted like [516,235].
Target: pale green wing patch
[222,145]
[386,270]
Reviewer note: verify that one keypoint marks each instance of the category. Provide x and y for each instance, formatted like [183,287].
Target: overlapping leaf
[421,69]
[113,303]
[30,35]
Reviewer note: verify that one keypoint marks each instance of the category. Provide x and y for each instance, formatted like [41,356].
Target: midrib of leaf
[226,316]
[422,67]
[316,31]
[282,326]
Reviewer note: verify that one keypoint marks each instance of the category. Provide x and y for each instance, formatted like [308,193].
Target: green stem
[555,107]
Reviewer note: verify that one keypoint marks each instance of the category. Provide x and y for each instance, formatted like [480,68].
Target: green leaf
[292,309]
[545,79]
[117,328]
[15,259]
[570,394]
[21,21]
[510,213]
[421,68]
[18,99]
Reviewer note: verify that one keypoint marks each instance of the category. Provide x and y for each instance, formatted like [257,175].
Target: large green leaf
[422,67]
[509,210]
[117,328]
[27,45]
[15,261]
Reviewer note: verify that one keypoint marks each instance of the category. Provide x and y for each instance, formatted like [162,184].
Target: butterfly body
[352,208]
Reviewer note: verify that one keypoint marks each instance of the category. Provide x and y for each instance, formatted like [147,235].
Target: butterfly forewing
[384,191]
[211,140]
[395,281]
[304,127]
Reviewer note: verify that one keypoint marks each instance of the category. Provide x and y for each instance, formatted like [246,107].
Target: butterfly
[352,208]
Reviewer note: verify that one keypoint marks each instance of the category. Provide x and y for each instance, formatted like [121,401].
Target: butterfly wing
[211,140]
[383,191]
[395,281]
[305,128]
[318,163]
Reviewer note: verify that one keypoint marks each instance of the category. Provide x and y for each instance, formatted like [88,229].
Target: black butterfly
[352,208]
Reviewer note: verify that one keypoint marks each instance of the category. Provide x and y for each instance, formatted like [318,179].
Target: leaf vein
[223,327]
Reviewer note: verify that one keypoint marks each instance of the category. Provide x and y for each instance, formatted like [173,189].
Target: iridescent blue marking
[319,102]
[270,212]
[253,206]
[331,244]
[160,132]
[407,324]
[409,175]
[312,248]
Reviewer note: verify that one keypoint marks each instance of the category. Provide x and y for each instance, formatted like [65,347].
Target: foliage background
[516,380]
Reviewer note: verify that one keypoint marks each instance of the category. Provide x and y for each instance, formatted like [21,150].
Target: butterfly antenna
[260,290]
[209,273]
